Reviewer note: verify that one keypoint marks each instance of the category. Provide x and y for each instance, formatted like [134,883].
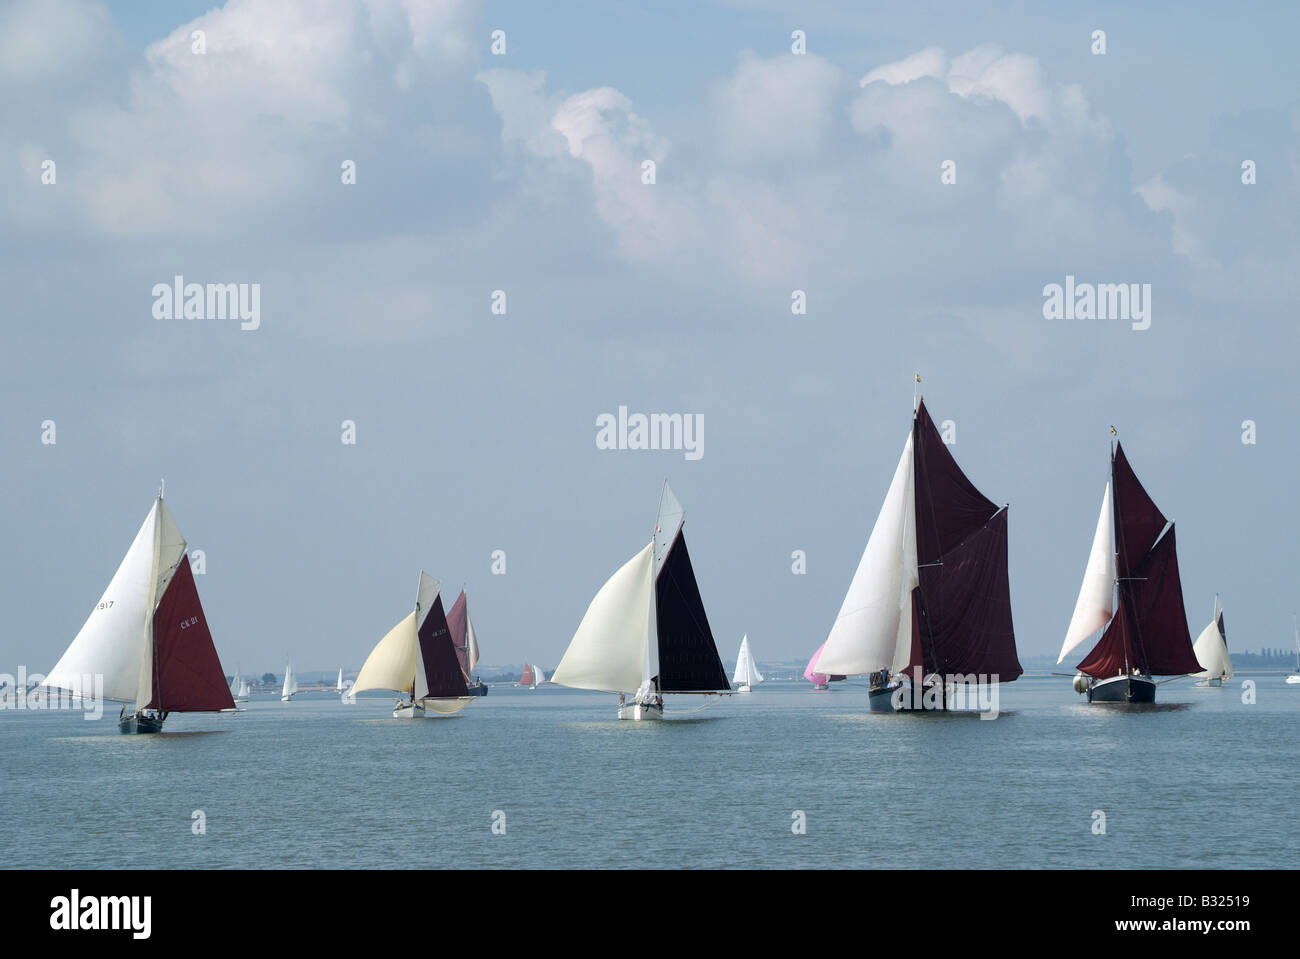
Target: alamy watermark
[26,692]
[179,300]
[956,691]
[1098,301]
[652,431]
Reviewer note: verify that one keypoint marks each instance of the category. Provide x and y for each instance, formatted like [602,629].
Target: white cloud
[930,62]
[777,107]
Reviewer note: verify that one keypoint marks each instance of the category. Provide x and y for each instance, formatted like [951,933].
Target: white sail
[471,641]
[539,676]
[747,673]
[290,682]
[391,664]
[867,629]
[1211,648]
[667,524]
[609,649]
[116,640]
[236,686]
[1095,605]
[339,687]
[245,691]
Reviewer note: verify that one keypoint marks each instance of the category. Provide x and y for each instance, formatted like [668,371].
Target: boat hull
[285,699]
[408,711]
[140,723]
[1123,690]
[1215,683]
[745,689]
[641,712]
[881,699]
[478,689]
[446,707]
[1293,679]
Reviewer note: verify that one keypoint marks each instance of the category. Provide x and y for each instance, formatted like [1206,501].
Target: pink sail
[816,678]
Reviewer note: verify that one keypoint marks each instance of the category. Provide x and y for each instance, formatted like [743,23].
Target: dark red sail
[688,656]
[456,619]
[441,668]
[529,677]
[962,604]
[1156,596]
[948,506]
[965,605]
[1138,521]
[1116,652]
[187,674]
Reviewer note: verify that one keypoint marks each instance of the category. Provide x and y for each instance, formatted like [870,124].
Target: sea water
[784,777]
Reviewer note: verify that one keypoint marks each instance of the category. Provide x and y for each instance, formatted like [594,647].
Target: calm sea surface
[1203,780]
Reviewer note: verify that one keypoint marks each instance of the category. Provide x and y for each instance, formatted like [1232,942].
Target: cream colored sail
[471,641]
[1095,605]
[1211,649]
[608,651]
[116,640]
[391,664]
[866,631]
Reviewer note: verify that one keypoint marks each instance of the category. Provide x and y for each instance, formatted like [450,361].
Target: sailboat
[245,692]
[532,677]
[147,636]
[746,675]
[417,659]
[930,596]
[1211,650]
[820,680]
[239,689]
[646,632]
[465,641]
[1131,592]
[339,687]
[1293,678]
[290,684]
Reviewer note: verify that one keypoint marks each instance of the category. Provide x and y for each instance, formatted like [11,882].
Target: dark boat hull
[1122,689]
[477,689]
[881,699]
[140,723]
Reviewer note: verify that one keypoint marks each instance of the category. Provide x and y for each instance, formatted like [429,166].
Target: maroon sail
[441,668]
[529,678]
[456,619]
[961,619]
[187,674]
[1115,653]
[1138,521]
[965,605]
[1156,595]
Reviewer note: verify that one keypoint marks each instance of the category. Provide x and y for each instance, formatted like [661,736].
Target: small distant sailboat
[532,677]
[646,632]
[290,684]
[930,602]
[339,687]
[1211,649]
[1132,593]
[747,675]
[239,689]
[820,680]
[245,692]
[1293,678]
[417,659]
[465,641]
[148,636]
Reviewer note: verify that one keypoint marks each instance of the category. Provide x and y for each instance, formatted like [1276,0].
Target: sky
[522,171]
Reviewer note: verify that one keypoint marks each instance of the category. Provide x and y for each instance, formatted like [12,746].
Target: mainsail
[1211,647]
[1148,632]
[290,686]
[746,673]
[931,590]
[148,636]
[528,678]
